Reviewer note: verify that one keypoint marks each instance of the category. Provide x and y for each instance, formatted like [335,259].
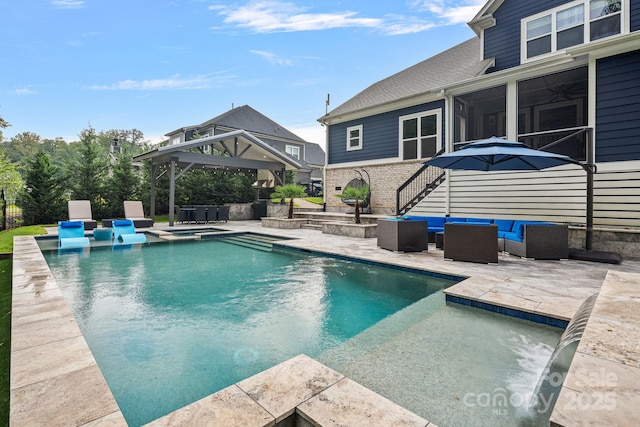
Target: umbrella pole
[590,168]
[589,235]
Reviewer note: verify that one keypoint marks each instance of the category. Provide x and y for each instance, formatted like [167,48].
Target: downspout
[449,118]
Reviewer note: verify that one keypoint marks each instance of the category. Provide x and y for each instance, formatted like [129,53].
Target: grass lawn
[5,338]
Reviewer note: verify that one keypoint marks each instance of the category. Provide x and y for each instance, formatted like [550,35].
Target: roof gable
[454,65]
[248,119]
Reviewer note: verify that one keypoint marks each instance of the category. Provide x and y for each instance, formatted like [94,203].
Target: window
[420,135]
[564,26]
[605,16]
[175,140]
[354,138]
[293,151]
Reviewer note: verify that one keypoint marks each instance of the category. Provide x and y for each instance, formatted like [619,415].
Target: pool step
[249,242]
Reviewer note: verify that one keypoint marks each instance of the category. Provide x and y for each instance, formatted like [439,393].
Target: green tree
[10,179]
[42,200]
[22,147]
[358,194]
[123,184]
[3,125]
[290,191]
[87,172]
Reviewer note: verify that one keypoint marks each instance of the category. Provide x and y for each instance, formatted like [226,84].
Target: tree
[10,179]
[42,200]
[358,194]
[3,124]
[291,191]
[87,172]
[123,184]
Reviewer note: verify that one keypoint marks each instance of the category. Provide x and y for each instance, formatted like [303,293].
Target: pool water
[171,323]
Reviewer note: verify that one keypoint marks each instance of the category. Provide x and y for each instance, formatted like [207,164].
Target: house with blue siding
[561,76]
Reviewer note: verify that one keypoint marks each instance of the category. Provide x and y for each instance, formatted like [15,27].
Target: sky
[157,66]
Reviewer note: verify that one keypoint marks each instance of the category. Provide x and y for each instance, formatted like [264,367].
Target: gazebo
[238,150]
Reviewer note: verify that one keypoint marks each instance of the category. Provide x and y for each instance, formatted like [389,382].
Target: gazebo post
[172,190]
[152,195]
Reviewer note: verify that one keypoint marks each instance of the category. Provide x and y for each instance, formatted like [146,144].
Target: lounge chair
[71,235]
[80,210]
[133,210]
[124,233]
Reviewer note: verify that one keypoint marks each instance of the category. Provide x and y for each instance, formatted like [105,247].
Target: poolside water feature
[462,344]
[551,380]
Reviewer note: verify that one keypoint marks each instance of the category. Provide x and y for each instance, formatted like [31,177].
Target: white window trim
[356,147]
[438,114]
[624,27]
[287,147]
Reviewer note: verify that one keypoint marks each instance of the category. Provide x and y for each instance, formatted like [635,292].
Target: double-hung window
[420,135]
[569,25]
[293,151]
[354,138]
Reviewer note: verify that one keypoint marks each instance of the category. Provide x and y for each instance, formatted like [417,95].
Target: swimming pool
[124,298]
[177,331]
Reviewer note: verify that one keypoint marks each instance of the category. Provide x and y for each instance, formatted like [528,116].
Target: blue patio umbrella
[499,154]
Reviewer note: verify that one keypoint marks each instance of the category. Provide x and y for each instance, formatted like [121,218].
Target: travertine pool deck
[55,379]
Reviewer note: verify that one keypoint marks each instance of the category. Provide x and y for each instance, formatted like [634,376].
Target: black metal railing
[418,186]
[11,215]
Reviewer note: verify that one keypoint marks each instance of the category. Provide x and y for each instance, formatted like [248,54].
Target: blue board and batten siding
[502,41]
[618,108]
[379,135]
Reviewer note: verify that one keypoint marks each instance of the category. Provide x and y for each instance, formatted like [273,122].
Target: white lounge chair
[133,210]
[80,210]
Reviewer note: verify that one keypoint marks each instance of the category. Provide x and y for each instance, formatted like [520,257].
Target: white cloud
[266,16]
[68,4]
[173,82]
[272,58]
[451,12]
[24,91]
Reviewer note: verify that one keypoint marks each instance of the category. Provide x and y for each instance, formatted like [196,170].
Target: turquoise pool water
[171,323]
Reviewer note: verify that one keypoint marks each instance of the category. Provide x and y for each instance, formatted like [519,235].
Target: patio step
[249,242]
[315,226]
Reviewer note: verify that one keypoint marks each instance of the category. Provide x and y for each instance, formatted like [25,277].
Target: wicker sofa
[529,239]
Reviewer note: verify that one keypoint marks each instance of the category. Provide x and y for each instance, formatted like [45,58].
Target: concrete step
[312,227]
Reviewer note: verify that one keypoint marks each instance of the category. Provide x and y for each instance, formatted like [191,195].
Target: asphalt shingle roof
[459,63]
[247,118]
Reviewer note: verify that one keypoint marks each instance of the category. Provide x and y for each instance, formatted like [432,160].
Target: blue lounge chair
[124,233]
[71,235]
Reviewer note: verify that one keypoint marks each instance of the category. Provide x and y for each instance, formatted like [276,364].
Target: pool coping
[46,380]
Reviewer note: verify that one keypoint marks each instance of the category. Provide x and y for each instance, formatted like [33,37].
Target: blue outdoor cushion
[122,222]
[455,219]
[71,224]
[503,224]
[435,221]
[479,220]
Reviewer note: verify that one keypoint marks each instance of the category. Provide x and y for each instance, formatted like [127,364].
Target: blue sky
[159,65]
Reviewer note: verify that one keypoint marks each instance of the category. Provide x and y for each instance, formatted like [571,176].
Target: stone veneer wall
[385,180]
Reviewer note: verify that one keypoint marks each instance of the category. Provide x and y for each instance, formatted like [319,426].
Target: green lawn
[6,236]
[5,338]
